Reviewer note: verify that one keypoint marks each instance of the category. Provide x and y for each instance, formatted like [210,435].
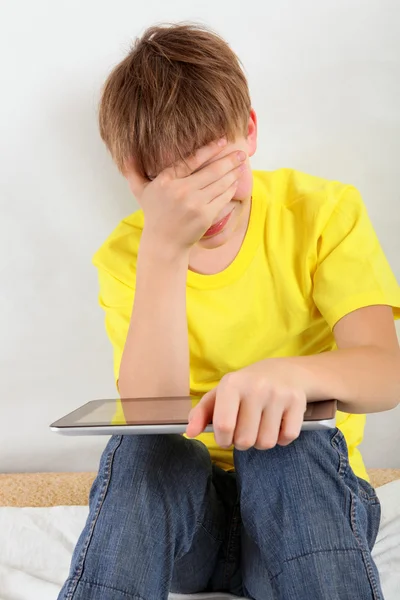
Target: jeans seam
[235,523]
[110,587]
[214,537]
[103,492]
[370,499]
[305,554]
[365,554]
[342,459]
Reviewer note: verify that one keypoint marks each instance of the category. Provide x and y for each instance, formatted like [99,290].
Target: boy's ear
[252,133]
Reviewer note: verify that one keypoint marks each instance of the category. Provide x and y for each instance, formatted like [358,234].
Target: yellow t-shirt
[310,256]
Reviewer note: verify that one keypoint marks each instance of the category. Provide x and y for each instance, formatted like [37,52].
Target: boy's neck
[211,261]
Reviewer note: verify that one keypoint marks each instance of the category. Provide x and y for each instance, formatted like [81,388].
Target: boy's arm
[155,360]
[264,404]
[179,206]
[354,289]
[364,373]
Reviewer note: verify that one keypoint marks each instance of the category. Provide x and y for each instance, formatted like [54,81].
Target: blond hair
[180,87]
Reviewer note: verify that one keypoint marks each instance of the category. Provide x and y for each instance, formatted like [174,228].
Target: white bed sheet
[36,546]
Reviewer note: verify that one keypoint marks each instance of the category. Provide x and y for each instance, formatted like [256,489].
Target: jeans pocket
[365,520]
[365,505]
[359,486]
[366,492]
[338,441]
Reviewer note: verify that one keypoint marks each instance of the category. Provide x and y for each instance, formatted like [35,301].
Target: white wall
[325,82]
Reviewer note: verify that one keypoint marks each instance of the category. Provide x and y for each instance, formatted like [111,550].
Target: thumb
[201,415]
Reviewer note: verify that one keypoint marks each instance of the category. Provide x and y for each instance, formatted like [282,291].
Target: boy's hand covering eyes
[259,406]
[185,199]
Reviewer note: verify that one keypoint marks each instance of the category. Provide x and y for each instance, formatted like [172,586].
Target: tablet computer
[135,416]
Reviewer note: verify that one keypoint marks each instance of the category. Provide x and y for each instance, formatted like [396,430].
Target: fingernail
[222,142]
[241,155]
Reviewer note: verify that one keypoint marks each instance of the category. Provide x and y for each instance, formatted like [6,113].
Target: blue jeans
[293,523]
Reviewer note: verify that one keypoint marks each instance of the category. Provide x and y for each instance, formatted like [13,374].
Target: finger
[136,181]
[186,167]
[247,425]
[201,415]
[217,188]
[291,424]
[214,171]
[214,207]
[270,424]
[225,415]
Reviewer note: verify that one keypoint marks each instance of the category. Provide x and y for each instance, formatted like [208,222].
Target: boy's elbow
[395,397]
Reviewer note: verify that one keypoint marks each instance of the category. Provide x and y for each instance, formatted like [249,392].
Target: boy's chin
[222,238]
[216,241]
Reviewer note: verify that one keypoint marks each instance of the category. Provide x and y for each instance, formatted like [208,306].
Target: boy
[255,292]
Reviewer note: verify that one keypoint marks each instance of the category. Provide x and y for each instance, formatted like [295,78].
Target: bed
[41,516]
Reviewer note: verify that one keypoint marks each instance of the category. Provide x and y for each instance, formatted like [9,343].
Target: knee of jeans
[300,456]
[164,461]
[288,476]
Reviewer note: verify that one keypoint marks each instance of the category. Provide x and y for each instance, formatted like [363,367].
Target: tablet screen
[131,411]
[158,411]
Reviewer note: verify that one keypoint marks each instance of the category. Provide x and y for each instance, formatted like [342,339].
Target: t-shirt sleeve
[116,299]
[352,271]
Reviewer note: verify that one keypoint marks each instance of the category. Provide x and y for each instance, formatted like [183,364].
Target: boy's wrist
[156,250]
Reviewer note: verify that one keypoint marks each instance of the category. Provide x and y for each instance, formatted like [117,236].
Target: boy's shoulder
[289,186]
[307,201]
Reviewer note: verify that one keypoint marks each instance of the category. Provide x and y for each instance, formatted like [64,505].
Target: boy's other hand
[184,200]
[259,406]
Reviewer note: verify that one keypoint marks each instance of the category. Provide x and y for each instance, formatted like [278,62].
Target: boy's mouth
[218,226]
